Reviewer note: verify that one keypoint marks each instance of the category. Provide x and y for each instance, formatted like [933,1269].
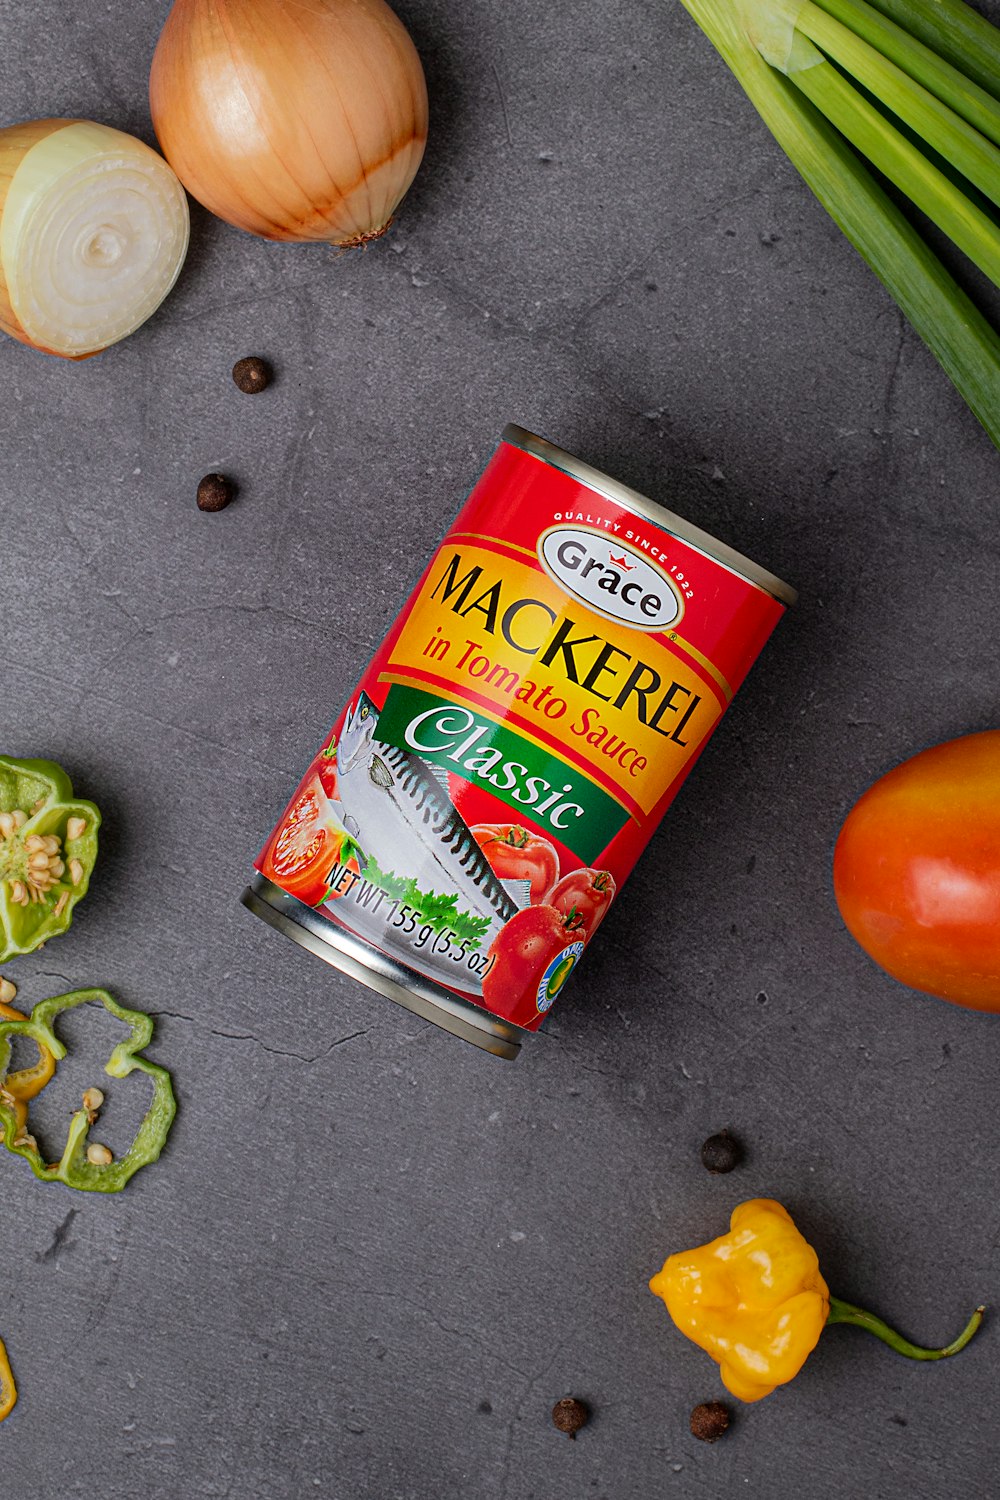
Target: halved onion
[93,234]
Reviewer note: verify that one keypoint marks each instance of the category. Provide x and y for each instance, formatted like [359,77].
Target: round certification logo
[556,975]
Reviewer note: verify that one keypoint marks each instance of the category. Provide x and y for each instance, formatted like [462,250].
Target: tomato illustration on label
[588,894]
[538,944]
[306,846]
[326,770]
[516,854]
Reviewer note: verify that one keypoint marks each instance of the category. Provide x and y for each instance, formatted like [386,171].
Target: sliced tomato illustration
[305,846]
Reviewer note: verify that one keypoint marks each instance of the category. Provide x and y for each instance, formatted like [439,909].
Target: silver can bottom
[339,948]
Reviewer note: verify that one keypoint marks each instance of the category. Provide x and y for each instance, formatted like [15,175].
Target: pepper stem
[844,1312]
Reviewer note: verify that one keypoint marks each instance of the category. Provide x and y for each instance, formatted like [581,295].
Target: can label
[518,736]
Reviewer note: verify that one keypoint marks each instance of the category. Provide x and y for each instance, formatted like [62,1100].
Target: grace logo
[611,578]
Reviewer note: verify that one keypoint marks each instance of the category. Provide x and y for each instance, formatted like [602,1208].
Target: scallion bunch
[911,87]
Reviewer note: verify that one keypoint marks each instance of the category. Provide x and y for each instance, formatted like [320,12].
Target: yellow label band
[622,705]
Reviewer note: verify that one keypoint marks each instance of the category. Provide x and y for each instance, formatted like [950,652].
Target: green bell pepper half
[73,1168]
[48,845]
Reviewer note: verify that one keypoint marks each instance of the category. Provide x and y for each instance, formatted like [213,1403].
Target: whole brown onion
[301,120]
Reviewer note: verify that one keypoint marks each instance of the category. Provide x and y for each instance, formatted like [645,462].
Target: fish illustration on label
[409,836]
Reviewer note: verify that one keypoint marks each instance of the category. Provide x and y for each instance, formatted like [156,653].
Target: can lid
[541,448]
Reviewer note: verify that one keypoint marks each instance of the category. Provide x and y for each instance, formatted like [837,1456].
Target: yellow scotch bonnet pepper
[755,1300]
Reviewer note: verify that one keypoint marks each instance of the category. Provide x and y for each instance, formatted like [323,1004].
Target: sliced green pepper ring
[73,1168]
[48,845]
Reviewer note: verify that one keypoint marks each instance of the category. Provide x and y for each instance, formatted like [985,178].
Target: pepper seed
[215,492]
[20,817]
[75,829]
[60,905]
[92,1099]
[709,1421]
[7,992]
[75,871]
[98,1155]
[569,1415]
[251,375]
[721,1153]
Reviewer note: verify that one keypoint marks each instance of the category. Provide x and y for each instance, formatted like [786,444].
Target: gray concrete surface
[372,1258]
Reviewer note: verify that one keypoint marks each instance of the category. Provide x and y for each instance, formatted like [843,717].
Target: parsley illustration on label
[438,912]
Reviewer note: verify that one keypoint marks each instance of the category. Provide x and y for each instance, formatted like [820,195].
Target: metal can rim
[621,494]
[367,964]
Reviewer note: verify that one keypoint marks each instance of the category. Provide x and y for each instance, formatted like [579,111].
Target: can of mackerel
[514,743]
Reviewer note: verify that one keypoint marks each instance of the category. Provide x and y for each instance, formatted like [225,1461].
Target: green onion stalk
[910,88]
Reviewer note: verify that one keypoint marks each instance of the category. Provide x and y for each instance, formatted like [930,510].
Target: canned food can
[462,832]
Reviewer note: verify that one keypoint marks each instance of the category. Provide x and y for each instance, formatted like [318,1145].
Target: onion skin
[297,120]
[15,142]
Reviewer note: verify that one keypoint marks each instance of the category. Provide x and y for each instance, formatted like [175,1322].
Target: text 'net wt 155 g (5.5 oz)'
[513,745]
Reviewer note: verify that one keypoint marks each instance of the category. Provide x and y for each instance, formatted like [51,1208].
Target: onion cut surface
[93,234]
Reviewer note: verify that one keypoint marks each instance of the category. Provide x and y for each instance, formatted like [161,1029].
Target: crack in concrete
[522,1401]
[138,713]
[249,1036]
[462,1334]
[51,974]
[893,376]
[503,103]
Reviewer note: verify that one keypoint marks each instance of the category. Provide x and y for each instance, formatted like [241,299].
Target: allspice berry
[721,1153]
[215,492]
[709,1421]
[252,374]
[569,1415]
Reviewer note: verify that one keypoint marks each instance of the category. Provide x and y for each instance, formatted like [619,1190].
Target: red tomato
[916,871]
[325,767]
[305,846]
[588,893]
[530,959]
[516,854]
[327,773]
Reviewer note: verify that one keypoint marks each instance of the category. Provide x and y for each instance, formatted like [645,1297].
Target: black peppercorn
[709,1421]
[251,374]
[569,1415]
[721,1153]
[215,492]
